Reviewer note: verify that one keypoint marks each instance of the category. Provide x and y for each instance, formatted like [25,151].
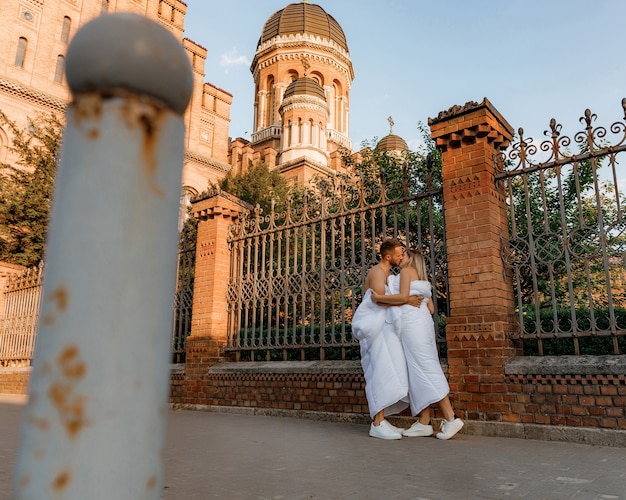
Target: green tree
[26,188]
[258,185]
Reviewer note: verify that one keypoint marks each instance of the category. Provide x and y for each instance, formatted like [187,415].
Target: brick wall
[544,391]
[561,391]
[14,380]
[574,391]
[317,386]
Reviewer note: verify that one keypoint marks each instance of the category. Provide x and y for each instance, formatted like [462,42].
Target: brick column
[481,297]
[215,213]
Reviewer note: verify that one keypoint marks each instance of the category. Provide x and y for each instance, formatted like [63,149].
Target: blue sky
[533,59]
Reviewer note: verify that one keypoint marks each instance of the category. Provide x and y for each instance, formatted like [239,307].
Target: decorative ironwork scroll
[566,247]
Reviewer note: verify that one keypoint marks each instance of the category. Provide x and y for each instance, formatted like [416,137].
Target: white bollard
[95,423]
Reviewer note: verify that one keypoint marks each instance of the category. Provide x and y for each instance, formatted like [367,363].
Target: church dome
[392,142]
[305,86]
[300,18]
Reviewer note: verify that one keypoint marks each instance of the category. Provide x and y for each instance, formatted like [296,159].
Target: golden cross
[390,120]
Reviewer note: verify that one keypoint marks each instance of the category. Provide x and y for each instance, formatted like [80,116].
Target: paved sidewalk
[235,456]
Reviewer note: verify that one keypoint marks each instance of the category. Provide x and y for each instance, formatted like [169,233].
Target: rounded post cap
[131,52]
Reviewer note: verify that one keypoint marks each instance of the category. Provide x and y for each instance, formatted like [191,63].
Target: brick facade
[33,88]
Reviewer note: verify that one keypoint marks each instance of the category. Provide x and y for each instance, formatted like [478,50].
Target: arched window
[65,31]
[312,139]
[318,77]
[186,195]
[339,107]
[58,72]
[22,44]
[270,103]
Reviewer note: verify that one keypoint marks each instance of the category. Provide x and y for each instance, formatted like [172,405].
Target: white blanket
[427,382]
[382,357]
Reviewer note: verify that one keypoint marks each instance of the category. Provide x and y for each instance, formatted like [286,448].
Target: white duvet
[382,356]
[427,382]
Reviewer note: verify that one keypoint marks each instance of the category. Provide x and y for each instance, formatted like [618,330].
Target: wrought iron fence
[566,247]
[18,324]
[297,274]
[183,298]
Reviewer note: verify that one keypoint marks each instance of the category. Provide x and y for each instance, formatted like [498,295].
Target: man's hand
[415,300]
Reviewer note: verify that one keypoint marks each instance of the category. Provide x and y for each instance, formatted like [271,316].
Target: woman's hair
[416,259]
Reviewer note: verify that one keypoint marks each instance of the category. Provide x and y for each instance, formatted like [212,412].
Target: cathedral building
[302,73]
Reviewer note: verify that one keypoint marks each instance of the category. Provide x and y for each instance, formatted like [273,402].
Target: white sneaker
[449,428]
[384,431]
[418,430]
[397,429]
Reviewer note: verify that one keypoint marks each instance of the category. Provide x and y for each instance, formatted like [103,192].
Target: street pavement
[243,456]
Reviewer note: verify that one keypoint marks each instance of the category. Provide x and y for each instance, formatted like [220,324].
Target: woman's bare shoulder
[409,272]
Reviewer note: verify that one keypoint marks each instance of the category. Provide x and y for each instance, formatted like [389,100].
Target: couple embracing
[398,346]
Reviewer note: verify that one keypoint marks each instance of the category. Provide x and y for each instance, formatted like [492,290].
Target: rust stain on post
[71,406]
[149,117]
[41,423]
[87,106]
[61,481]
[152,481]
[60,297]
[25,480]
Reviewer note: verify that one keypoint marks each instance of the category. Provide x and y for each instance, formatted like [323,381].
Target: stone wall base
[574,399]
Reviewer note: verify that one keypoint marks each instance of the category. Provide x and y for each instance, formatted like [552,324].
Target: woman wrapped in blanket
[427,382]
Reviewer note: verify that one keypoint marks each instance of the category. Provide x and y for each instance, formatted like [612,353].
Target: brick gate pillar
[481,297]
[215,213]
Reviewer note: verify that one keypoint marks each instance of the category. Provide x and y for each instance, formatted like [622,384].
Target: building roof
[303,18]
[305,86]
[392,142]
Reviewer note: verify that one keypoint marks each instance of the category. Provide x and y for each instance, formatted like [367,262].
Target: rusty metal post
[96,419]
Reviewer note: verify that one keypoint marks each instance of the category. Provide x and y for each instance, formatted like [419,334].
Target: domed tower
[304,45]
[392,143]
[304,114]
